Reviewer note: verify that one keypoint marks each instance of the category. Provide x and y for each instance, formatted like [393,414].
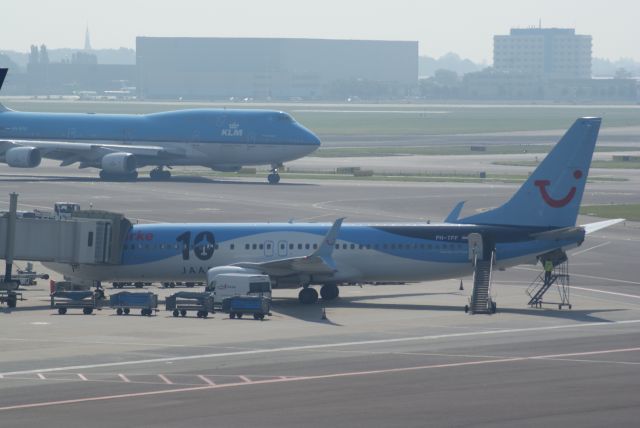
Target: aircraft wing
[318,262]
[87,153]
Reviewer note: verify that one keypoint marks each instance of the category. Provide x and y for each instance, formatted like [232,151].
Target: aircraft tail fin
[552,194]
[3,74]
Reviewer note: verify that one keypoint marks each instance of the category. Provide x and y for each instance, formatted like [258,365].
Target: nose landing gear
[274,177]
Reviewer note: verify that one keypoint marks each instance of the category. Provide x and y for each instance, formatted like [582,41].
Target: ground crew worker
[548,268]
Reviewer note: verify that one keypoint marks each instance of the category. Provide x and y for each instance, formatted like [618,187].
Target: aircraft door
[475,246]
[268,248]
[282,248]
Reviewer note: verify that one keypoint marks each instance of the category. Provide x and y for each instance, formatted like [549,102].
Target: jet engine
[119,163]
[23,157]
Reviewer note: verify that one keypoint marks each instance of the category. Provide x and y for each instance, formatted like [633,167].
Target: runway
[404,355]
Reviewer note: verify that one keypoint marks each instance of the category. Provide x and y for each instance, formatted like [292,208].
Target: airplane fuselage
[217,138]
[362,252]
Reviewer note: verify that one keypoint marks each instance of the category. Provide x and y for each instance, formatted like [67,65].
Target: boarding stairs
[481,301]
[560,278]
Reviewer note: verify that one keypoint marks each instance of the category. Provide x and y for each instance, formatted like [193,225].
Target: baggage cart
[184,301]
[88,301]
[237,306]
[124,301]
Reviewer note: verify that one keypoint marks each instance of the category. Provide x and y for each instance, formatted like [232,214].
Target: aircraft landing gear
[274,177]
[111,176]
[308,296]
[159,174]
[329,292]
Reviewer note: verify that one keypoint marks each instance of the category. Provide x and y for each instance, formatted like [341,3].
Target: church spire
[87,40]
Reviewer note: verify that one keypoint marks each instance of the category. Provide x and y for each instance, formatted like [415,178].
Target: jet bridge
[88,237]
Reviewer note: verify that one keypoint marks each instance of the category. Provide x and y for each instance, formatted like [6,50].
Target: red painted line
[578,354]
[298,378]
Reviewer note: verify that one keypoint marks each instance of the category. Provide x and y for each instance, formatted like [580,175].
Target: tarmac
[386,355]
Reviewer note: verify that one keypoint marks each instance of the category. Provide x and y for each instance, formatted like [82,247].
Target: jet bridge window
[90,240]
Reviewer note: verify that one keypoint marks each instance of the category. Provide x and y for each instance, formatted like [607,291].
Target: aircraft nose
[312,139]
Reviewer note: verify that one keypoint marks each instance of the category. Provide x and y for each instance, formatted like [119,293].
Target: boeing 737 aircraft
[118,144]
[537,223]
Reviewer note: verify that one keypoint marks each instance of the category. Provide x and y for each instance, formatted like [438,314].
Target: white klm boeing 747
[538,221]
[118,144]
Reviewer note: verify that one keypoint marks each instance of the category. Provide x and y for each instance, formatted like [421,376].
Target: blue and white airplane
[118,144]
[537,223]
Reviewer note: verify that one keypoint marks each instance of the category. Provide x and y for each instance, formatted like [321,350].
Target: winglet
[326,248]
[455,213]
[3,74]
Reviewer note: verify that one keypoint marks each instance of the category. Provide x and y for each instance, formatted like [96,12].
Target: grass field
[374,119]
[629,211]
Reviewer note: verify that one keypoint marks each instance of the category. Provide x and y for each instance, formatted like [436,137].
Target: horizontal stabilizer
[455,213]
[594,227]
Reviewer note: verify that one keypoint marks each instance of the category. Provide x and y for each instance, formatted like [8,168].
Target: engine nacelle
[23,157]
[119,163]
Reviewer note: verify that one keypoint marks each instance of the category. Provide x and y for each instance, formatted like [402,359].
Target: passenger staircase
[559,277]
[481,302]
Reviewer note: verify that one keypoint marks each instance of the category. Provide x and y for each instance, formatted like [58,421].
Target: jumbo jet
[538,223]
[119,144]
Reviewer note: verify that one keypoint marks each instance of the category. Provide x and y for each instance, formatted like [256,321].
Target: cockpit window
[284,117]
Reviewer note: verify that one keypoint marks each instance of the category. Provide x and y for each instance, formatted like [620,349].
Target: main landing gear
[329,292]
[112,176]
[274,177]
[309,295]
[159,174]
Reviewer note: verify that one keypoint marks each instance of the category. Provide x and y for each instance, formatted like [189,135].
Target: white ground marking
[123,377]
[614,293]
[206,380]
[326,345]
[591,248]
[244,379]
[41,376]
[165,379]
[622,281]
[82,377]
[303,378]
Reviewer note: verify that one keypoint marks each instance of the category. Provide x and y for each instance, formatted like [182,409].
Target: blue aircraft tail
[552,194]
[3,74]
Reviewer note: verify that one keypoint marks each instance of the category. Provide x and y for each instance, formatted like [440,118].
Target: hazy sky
[462,26]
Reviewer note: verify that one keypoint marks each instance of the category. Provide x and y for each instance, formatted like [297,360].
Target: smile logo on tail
[557,203]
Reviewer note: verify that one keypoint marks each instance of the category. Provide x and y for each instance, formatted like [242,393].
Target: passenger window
[306,246]
[254,246]
[353,246]
[231,247]
[344,246]
[246,246]
[337,246]
[299,246]
[315,246]
[291,246]
[261,246]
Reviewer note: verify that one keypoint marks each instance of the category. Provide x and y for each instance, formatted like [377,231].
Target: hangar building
[273,68]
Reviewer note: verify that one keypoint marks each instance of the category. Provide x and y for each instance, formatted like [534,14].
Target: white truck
[238,284]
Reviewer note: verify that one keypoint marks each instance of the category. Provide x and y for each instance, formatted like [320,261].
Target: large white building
[554,53]
[214,68]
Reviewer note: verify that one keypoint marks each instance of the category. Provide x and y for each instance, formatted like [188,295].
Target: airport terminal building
[274,68]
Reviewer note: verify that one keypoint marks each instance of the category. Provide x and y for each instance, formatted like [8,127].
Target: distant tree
[6,62]
[446,77]
[622,73]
